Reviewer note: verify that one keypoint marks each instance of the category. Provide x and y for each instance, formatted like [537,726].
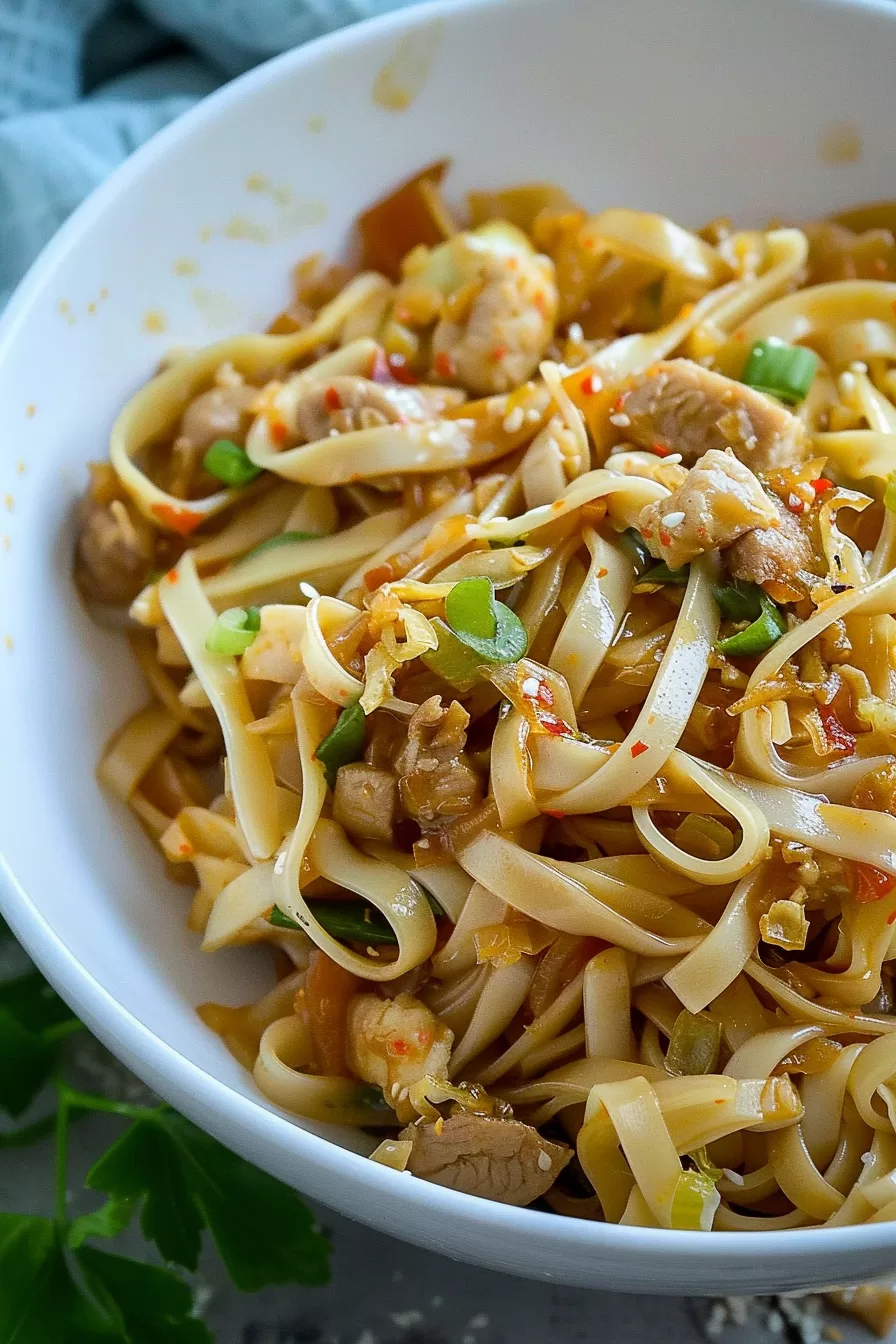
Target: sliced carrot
[328,988]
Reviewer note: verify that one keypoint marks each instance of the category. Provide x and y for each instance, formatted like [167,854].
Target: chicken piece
[395,1043]
[275,653]
[719,500]
[219,413]
[114,551]
[348,402]
[781,560]
[365,801]
[690,409]
[435,780]
[497,332]
[502,1160]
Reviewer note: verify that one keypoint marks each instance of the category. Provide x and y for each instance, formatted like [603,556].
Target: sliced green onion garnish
[478,631]
[765,631]
[281,539]
[694,1203]
[636,549]
[705,1165]
[783,371]
[344,743]
[234,631]
[661,573]
[349,921]
[739,600]
[890,492]
[230,463]
[694,1044]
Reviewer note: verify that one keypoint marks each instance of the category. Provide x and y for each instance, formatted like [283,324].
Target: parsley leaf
[39,1300]
[107,1221]
[33,1020]
[145,1303]
[187,1181]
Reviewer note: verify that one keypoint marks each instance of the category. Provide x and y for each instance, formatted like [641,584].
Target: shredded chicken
[435,780]
[395,1043]
[348,402]
[719,501]
[780,559]
[115,544]
[503,1160]
[220,413]
[365,801]
[496,328]
[689,409]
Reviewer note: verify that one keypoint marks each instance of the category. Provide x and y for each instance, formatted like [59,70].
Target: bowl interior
[689,108]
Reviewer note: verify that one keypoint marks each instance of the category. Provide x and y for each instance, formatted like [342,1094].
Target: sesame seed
[620,419]
[530,687]
[532,415]
[847,383]
[544,1161]
[858,367]
[672,460]
[674,518]
[733,1176]
[308,590]
[575,332]
[513,420]
[868,556]
[865,1159]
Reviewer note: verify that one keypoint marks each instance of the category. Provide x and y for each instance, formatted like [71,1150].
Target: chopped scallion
[281,539]
[765,631]
[344,743]
[783,371]
[478,631]
[349,921]
[739,600]
[233,631]
[661,573]
[694,1203]
[890,492]
[694,1044]
[230,463]
[636,549]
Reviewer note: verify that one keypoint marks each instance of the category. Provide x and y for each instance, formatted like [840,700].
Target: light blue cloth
[84,82]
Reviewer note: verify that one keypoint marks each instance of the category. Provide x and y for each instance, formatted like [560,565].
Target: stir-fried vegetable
[765,631]
[281,539]
[694,1044]
[230,463]
[479,631]
[890,492]
[694,1203]
[412,214]
[783,371]
[636,549]
[661,573]
[349,921]
[739,600]
[233,631]
[344,743]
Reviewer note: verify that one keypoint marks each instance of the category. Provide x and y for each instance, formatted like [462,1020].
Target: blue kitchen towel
[84,82]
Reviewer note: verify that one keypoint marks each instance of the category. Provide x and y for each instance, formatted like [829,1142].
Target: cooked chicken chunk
[115,551]
[365,800]
[502,1160]
[719,500]
[349,402]
[220,413]
[435,780]
[395,1043]
[781,560]
[690,409]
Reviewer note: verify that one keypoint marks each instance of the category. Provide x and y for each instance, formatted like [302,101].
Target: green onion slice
[765,631]
[349,921]
[234,631]
[344,743]
[694,1044]
[230,463]
[694,1203]
[478,631]
[890,492]
[739,600]
[783,371]
[636,549]
[281,539]
[661,573]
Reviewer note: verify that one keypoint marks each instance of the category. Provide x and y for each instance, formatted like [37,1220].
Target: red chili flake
[444,365]
[838,735]
[639,748]
[378,575]
[399,1047]
[794,503]
[332,399]
[551,724]
[424,1037]
[660,449]
[739,336]
[544,695]
[891,918]
[182,521]
[665,537]
[587,385]
[185,848]
[172,576]
[401,370]
[548,812]
[821,485]
[602,573]
[647,532]
[278,432]
[619,403]
[872,885]
[541,303]
[500,352]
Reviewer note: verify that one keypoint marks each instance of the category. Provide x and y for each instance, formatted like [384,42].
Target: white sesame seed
[868,556]
[733,1176]
[672,460]
[575,332]
[334,433]
[544,1163]
[308,590]
[532,415]
[530,686]
[865,1159]
[847,383]
[513,420]
[674,518]
[858,367]
[620,419]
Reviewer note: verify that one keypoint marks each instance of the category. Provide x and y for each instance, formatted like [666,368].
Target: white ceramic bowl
[692,107]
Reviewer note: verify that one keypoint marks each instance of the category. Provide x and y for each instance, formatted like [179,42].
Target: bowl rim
[244,1117]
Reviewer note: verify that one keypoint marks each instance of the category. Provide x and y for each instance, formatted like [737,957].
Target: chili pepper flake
[548,812]
[821,485]
[380,574]
[872,885]
[500,352]
[278,432]
[838,735]
[619,402]
[401,371]
[660,449]
[552,724]
[602,573]
[182,521]
[399,1047]
[332,399]
[444,365]
[665,536]
[172,576]
[639,748]
[794,503]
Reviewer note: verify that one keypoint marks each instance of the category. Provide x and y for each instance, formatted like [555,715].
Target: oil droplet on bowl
[404,75]
[21,468]
[206,233]
[31,410]
[155,320]
[91,308]
[841,143]
[316,124]
[8,644]
[245,229]
[9,502]
[186,266]
[104,293]
[256,182]
[216,306]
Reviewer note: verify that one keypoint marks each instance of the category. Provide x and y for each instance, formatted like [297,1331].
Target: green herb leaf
[783,371]
[344,743]
[765,631]
[230,463]
[233,631]
[281,539]
[636,549]
[349,921]
[107,1221]
[34,1003]
[39,1301]
[479,631]
[146,1304]
[187,1180]
[27,1062]
[470,609]
[739,600]
[661,573]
